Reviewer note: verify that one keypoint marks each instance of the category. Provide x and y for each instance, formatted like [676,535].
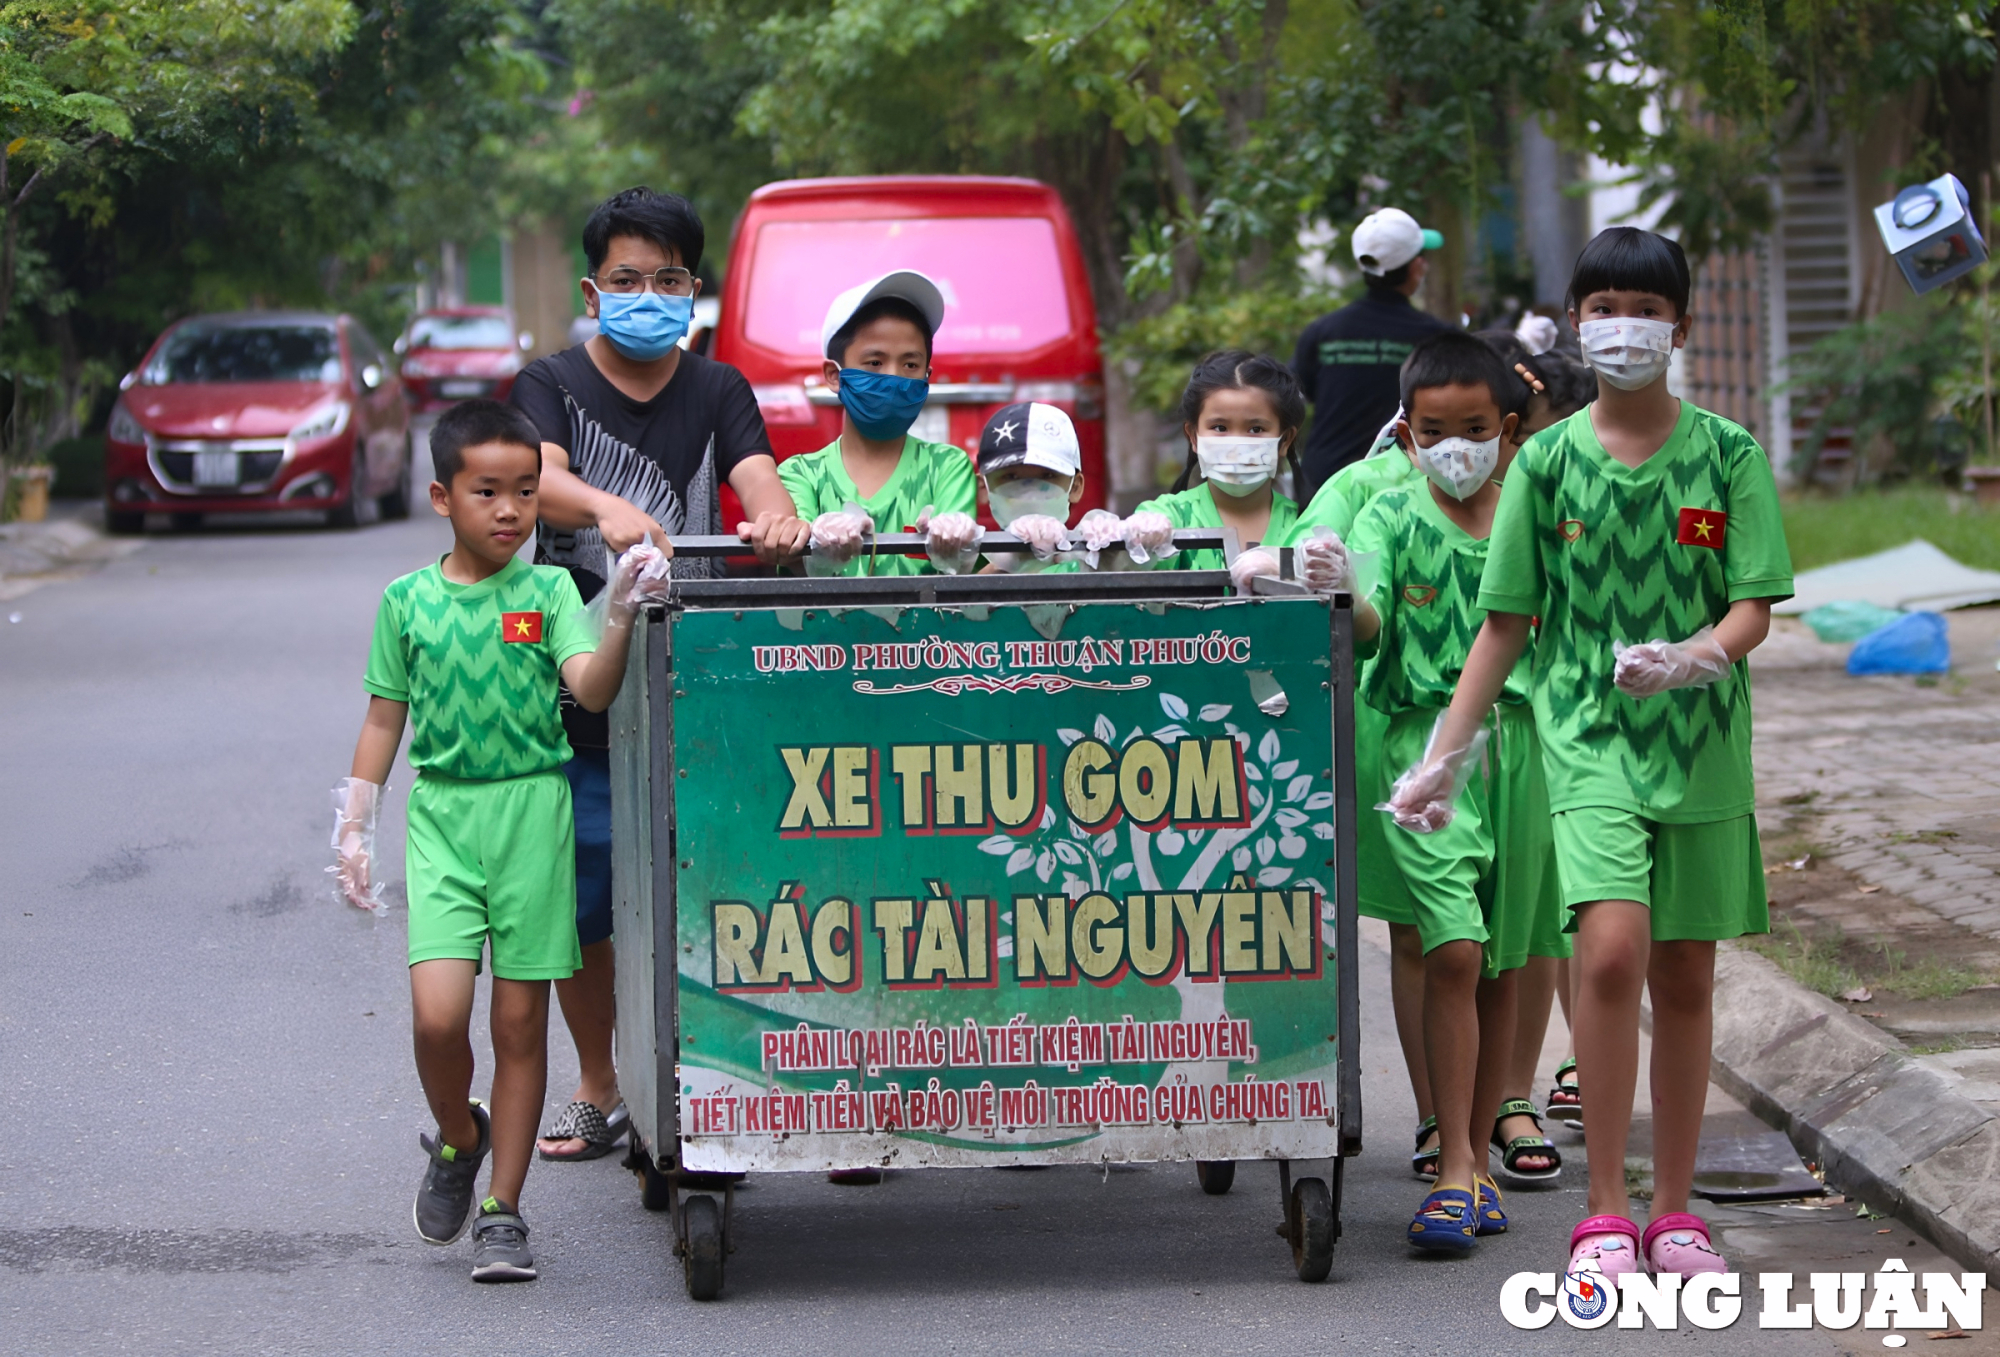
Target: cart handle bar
[916,544]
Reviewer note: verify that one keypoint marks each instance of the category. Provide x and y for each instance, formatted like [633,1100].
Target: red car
[457,353]
[1019,323]
[256,411]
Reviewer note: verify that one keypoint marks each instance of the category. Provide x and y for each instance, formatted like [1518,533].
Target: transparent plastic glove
[357,806]
[954,540]
[1045,534]
[837,538]
[1249,565]
[1652,667]
[1100,530]
[1424,799]
[1322,562]
[1149,537]
[642,575]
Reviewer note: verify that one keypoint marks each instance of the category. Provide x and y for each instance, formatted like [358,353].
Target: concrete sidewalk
[69,545]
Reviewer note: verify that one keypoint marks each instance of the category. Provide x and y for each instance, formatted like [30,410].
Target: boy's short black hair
[1455,358]
[1627,259]
[882,306]
[1394,279]
[666,219]
[470,423]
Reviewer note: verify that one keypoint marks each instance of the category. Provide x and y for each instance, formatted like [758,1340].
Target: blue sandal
[1445,1222]
[1492,1219]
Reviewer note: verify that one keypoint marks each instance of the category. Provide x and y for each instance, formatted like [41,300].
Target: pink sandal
[1678,1242]
[1604,1244]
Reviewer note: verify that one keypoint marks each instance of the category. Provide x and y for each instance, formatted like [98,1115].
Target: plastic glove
[1424,799]
[1100,529]
[954,540]
[1045,534]
[1322,562]
[1249,565]
[1651,668]
[642,575]
[837,538]
[357,805]
[1149,536]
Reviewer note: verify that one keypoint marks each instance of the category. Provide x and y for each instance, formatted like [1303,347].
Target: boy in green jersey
[1646,536]
[877,344]
[468,651]
[1479,883]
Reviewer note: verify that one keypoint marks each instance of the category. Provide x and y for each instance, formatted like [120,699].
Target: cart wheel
[703,1253]
[655,1189]
[1312,1229]
[1215,1175]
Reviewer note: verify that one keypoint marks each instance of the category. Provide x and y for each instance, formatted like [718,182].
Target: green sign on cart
[992,885]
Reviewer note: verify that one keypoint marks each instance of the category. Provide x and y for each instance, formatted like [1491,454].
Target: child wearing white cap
[877,345]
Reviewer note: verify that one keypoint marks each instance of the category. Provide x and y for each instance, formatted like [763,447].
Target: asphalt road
[211,1115]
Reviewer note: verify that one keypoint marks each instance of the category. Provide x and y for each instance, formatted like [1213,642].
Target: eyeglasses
[672,282]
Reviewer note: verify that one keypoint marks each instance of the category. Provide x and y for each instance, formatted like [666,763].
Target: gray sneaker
[444,1199]
[500,1246]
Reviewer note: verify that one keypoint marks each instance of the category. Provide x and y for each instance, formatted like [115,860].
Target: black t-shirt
[1349,362]
[668,456]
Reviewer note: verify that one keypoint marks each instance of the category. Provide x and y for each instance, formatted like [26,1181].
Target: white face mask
[1237,466]
[1627,351]
[1459,466]
[1018,498]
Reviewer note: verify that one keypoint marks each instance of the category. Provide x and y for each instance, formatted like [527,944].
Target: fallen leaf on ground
[1869,890]
[1948,1333]
[1885,1232]
[1859,995]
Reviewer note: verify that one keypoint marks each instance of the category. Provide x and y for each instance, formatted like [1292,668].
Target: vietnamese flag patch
[1702,528]
[521,627]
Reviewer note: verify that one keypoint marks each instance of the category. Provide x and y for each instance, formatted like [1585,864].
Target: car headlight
[123,427]
[325,422]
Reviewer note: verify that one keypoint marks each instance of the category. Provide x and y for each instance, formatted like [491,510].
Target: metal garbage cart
[952,871]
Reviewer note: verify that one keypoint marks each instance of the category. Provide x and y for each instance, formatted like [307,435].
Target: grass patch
[1833,964]
[1945,1047]
[1822,529]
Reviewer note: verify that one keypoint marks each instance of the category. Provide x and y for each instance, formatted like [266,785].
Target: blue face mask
[643,325]
[881,404]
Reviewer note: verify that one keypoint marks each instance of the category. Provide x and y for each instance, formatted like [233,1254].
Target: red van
[1019,323]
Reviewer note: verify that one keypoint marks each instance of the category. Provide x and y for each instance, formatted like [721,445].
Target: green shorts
[1381,893]
[1703,882]
[494,862]
[1489,876]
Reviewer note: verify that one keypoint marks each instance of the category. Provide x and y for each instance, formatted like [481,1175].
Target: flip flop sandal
[1492,1219]
[1605,1244]
[1678,1242]
[1424,1163]
[1565,1099]
[583,1121]
[1520,1147]
[1445,1223]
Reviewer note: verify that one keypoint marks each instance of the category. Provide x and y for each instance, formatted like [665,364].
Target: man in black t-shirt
[1349,361]
[637,436]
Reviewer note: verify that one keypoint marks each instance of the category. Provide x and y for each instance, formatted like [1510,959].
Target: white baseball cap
[1390,238]
[1028,433]
[905,284]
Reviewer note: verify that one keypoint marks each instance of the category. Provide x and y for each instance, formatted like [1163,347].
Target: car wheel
[357,508]
[124,524]
[395,505]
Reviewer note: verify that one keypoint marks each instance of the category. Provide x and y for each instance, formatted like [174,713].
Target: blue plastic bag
[1915,643]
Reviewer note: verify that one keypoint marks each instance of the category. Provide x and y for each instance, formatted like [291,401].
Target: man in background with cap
[1348,361]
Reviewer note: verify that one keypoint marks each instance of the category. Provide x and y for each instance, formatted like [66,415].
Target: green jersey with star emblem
[1605,553]
[934,474]
[477,664]
[1194,507]
[1426,593]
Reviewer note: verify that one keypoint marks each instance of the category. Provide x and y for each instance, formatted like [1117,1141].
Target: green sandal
[1424,1163]
[1513,1151]
[1565,1099]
